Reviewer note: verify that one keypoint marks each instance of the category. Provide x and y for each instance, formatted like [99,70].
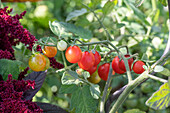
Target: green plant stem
[108,34]
[68,67]
[65,64]
[102,102]
[153,5]
[157,78]
[133,84]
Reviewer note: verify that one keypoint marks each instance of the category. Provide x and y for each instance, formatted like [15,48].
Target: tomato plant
[87,61]
[115,65]
[37,62]
[73,54]
[122,64]
[94,78]
[61,45]
[103,71]
[50,51]
[97,58]
[138,67]
[92,69]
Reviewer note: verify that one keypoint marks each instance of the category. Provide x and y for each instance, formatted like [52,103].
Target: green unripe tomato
[61,45]
[146,87]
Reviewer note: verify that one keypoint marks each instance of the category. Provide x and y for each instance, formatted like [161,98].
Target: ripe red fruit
[103,71]
[92,69]
[138,67]
[97,58]
[115,65]
[87,60]
[122,64]
[73,54]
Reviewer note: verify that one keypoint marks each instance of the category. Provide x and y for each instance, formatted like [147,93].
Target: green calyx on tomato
[87,61]
[103,71]
[73,54]
[37,62]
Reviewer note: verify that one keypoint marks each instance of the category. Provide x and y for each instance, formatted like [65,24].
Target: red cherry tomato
[103,71]
[122,64]
[138,67]
[97,58]
[92,69]
[87,60]
[37,62]
[73,54]
[115,65]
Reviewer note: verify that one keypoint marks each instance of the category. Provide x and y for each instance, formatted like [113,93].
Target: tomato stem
[108,34]
[65,63]
[157,78]
[105,91]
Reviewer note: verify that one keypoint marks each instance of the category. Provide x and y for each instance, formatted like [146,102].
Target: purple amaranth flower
[5,54]
[12,32]
[11,92]
[55,64]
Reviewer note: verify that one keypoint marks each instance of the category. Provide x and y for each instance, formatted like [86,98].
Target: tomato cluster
[39,62]
[119,65]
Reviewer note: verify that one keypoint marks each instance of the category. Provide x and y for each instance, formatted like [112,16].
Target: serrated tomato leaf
[62,29]
[68,88]
[165,72]
[76,13]
[95,91]
[161,98]
[82,101]
[9,67]
[49,108]
[109,6]
[39,78]
[70,77]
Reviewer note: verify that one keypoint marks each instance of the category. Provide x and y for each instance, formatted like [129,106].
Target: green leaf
[108,7]
[82,101]
[95,91]
[9,67]
[68,88]
[76,13]
[138,3]
[165,72]
[62,29]
[160,99]
[70,77]
[137,12]
[134,111]
[163,2]
[158,68]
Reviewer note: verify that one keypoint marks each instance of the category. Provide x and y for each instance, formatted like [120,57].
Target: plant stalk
[133,84]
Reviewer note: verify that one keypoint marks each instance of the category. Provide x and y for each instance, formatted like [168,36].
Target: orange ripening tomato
[50,51]
[37,62]
[20,0]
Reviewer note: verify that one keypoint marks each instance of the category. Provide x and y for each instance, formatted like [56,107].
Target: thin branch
[157,78]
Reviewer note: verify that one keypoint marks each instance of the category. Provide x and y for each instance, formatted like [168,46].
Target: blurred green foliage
[144,30]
